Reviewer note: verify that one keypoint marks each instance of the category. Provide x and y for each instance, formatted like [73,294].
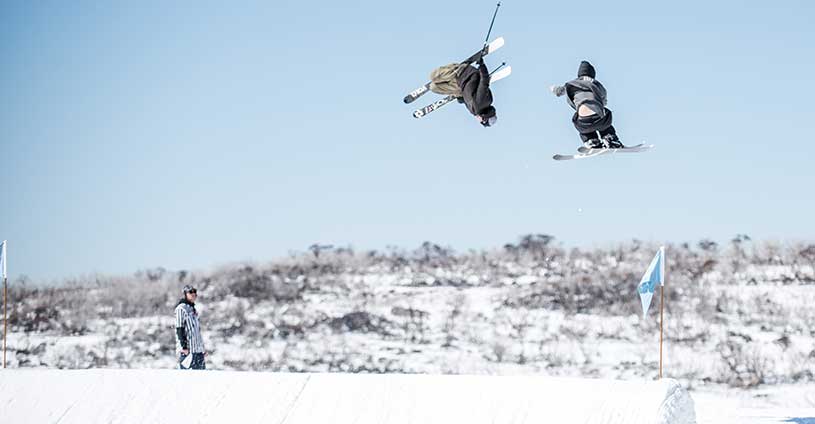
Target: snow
[740,337]
[794,403]
[170,396]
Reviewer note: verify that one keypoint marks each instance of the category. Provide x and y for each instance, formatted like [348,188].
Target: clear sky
[190,134]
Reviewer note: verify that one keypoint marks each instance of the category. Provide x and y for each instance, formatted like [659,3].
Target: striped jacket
[187,328]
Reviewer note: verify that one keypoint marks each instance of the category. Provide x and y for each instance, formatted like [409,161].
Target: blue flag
[653,276]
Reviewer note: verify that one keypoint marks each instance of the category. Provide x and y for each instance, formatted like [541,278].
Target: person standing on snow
[587,97]
[470,85]
[189,343]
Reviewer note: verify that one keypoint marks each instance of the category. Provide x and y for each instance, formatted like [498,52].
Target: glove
[558,90]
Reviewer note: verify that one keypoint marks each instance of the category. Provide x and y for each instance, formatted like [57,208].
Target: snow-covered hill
[737,316]
[163,396]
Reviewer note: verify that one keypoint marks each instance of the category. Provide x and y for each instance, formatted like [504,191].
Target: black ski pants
[197,363]
[589,126]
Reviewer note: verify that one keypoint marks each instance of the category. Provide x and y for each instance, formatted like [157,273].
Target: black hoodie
[475,89]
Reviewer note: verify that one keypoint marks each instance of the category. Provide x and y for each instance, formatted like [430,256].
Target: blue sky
[199,133]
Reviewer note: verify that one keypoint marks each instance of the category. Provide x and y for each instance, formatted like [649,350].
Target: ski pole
[487,40]
[499,67]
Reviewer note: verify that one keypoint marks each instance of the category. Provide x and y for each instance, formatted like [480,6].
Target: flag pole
[661,309]
[3,260]
[5,318]
[661,300]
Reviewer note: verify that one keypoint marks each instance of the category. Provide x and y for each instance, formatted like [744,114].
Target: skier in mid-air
[470,85]
[592,119]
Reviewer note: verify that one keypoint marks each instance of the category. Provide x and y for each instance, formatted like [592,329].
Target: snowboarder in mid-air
[592,119]
[470,85]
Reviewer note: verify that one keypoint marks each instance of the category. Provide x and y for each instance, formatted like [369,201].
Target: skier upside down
[470,85]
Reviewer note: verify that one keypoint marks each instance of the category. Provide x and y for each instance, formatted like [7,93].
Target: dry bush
[278,283]
[743,366]
[60,310]
[413,323]
[360,321]
[127,298]
[453,322]
[579,293]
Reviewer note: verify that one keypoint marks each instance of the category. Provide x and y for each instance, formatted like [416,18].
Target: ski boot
[592,144]
[611,141]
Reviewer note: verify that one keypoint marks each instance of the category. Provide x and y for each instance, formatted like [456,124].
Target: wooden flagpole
[661,303]
[661,310]
[4,258]
[5,318]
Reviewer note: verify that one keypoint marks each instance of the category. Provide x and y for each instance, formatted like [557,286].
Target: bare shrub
[498,351]
[435,256]
[413,322]
[261,284]
[743,367]
[361,321]
[452,323]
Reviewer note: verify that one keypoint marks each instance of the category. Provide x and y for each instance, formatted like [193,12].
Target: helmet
[188,289]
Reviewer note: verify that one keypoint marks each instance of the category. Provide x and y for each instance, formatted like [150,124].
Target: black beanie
[487,112]
[585,70]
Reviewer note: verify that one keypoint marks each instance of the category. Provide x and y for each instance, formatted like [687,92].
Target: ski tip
[496,44]
[407,99]
[500,74]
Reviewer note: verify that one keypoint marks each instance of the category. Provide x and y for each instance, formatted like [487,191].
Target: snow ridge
[677,408]
[171,396]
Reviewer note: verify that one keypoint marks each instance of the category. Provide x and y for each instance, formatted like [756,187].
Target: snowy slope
[794,403]
[168,396]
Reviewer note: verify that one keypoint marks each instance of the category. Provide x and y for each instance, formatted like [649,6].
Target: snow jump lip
[170,396]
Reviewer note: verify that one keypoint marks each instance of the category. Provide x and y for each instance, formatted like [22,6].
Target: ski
[497,76]
[588,153]
[635,148]
[491,47]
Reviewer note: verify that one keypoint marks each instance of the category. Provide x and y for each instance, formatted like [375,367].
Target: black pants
[197,363]
[589,126]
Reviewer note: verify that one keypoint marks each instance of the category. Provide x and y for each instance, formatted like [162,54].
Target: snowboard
[491,47]
[589,153]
